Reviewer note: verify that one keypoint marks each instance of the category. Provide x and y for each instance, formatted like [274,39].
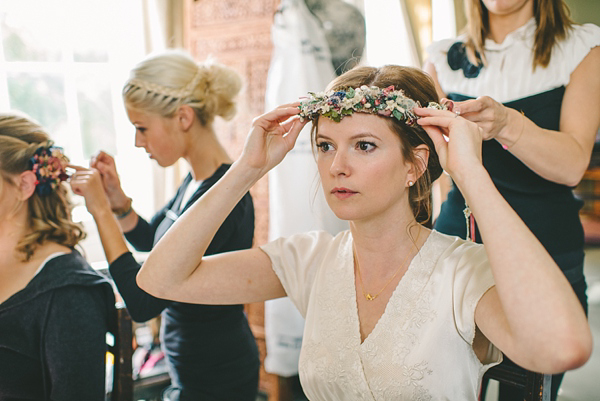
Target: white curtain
[301,62]
[443,19]
[389,36]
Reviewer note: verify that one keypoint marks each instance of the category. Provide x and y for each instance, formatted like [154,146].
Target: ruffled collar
[520,34]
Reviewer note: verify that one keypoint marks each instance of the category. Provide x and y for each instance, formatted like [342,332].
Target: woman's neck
[12,230]
[205,153]
[16,273]
[503,24]
[386,237]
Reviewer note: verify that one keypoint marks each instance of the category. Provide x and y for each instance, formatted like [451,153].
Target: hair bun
[215,91]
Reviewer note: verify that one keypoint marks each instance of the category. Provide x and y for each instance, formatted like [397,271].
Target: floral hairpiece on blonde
[48,164]
[387,102]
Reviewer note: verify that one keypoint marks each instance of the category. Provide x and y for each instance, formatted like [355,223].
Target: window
[63,62]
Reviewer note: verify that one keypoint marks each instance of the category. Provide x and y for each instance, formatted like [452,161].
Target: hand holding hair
[87,182]
[496,120]
[460,154]
[106,166]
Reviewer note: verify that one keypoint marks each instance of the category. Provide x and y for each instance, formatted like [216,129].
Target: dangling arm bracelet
[124,211]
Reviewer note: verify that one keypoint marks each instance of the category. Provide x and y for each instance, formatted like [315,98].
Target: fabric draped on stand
[301,62]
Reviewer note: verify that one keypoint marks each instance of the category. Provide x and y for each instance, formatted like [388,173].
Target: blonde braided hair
[162,83]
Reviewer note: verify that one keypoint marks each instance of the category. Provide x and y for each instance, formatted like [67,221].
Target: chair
[536,385]
[122,350]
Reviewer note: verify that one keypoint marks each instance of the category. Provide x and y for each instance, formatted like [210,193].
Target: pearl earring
[410,183]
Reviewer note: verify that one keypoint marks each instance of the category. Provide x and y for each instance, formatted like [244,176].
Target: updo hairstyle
[49,217]
[162,83]
[418,86]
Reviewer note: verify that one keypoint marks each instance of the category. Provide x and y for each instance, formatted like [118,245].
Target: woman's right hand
[457,140]
[272,136]
[105,164]
[87,182]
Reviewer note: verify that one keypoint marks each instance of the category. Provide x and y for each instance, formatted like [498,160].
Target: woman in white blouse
[528,76]
[393,310]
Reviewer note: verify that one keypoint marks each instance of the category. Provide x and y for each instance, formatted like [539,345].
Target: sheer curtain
[296,202]
[390,39]
[64,63]
[398,31]
[444,19]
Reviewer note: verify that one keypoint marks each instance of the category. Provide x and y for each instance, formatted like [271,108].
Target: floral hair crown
[48,164]
[387,102]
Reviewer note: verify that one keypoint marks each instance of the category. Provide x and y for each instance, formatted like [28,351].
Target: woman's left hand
[492,117]
[456,140]
[87,182]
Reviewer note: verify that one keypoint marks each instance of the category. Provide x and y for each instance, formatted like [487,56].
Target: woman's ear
[185,117]
[27,183]
[416,170]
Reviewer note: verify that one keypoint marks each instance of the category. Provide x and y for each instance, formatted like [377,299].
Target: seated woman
[54,309]
[394,311]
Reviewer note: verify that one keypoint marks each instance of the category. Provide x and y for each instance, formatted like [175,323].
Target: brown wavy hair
[420,87]
[552,19]
[49,217]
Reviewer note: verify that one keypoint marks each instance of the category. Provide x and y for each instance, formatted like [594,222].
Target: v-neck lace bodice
[411,275]
[412,352]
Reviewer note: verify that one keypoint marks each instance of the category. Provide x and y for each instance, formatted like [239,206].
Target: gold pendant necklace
[367,294]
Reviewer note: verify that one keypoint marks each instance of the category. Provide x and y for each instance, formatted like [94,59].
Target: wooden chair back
[536,385]
[122,350]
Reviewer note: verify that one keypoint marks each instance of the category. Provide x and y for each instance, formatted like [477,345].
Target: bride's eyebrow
[360,135]
[365,135]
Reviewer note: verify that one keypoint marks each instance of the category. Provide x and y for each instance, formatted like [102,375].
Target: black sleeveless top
[549,209]
[210,349]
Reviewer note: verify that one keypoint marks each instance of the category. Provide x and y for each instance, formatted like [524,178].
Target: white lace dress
[420,348]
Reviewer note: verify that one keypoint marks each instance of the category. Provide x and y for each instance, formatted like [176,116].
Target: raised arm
[122,265]
[177,269]
[532,314]
[119,202]
[559,156]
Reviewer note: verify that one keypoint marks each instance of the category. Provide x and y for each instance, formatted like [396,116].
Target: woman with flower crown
[394,311]
[172,102]
[528,76]
[54,309]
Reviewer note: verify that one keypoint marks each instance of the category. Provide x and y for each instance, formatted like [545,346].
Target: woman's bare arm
[532,314]
[177,269]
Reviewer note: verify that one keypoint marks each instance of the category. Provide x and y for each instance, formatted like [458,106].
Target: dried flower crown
[48,164]
[387,102]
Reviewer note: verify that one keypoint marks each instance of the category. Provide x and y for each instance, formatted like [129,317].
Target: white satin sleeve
[472,278]
[296,260]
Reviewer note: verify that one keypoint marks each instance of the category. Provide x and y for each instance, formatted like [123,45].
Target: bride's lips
[343,193]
